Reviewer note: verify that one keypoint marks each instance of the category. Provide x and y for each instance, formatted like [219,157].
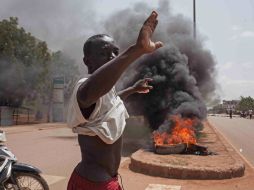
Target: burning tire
[170,149]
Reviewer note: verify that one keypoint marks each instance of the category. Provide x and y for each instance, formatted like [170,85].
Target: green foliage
[246,103]
[27,67]
[23,63]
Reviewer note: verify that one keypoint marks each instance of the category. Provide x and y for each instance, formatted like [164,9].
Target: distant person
[250,113]
[230,113]
[245,114]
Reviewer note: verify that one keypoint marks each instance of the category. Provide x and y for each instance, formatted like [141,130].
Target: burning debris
[180,137]
[182,71]
[183,148]
[182,131]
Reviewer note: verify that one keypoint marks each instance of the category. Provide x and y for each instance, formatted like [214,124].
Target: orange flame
[182,132]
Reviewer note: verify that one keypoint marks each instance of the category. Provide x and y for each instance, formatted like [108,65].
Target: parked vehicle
[15,175]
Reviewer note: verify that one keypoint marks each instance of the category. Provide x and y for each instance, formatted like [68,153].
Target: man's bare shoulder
[86,111]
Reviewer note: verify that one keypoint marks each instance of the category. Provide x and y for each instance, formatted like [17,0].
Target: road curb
[181,167]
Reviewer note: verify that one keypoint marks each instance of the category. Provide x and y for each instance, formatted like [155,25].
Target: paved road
[239,132]
[54,150]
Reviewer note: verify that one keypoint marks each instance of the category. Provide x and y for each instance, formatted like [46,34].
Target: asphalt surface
[52,149]
[239,132]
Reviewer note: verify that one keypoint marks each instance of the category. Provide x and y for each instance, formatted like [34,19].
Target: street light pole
[194,19]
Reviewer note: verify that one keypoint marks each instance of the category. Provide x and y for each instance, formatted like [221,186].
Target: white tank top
[107,120]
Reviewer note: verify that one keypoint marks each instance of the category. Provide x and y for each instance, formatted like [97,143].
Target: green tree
[27,69]
[246,103]
[24,63]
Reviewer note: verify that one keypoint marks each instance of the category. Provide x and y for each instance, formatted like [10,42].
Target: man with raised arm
[97,113]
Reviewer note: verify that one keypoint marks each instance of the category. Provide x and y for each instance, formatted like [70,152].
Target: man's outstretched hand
[142,86]
[144,42]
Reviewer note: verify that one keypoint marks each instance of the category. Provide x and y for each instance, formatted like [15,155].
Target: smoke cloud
[63,24]
[183,71]
[53,21]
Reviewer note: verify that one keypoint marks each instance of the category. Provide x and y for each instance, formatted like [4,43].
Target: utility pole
[194,19]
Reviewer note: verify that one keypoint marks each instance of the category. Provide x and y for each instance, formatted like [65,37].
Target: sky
[226,26]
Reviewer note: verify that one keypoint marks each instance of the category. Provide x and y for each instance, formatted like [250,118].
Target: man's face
[102,51]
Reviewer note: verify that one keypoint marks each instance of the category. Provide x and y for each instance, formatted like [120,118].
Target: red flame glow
[183,132]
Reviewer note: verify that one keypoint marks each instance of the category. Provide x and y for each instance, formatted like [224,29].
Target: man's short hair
[88,44]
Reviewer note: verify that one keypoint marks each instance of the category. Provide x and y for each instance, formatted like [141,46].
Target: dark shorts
[77,182]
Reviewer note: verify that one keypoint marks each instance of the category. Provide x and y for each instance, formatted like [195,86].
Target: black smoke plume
[175,89]
[183,70]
